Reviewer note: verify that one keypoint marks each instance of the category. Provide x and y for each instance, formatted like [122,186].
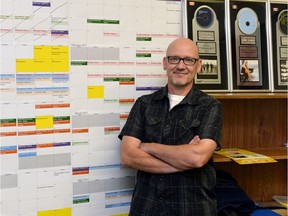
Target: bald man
[169,137]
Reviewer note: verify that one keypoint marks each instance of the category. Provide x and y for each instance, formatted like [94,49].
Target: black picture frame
[212,44]
[279,45]
[249,46]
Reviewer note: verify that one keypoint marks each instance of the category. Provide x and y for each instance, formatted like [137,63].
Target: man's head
[181,63]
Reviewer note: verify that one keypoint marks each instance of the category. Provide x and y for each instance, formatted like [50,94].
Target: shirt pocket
[153,130]
[187,130]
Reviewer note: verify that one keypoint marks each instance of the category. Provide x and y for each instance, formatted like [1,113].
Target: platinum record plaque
[282,46]
[248,48]
[247,21]
[206,35]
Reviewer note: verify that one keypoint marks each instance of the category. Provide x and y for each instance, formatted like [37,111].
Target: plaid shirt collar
[191,98]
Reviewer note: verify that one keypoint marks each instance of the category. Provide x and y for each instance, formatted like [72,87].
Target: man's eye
[174,59]
[189,60]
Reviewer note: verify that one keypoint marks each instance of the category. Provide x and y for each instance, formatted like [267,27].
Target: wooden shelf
[250,95]
[256,122]
[279,153]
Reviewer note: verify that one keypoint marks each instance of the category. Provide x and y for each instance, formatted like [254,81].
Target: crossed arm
[160,158]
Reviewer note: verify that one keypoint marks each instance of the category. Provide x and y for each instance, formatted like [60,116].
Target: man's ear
[164,63]
[199,66]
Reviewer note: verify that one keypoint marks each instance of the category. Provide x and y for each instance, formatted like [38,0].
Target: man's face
[181,74]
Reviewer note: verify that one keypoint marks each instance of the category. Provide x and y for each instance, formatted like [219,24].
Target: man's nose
[181,64]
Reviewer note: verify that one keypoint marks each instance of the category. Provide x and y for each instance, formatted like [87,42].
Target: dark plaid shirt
[189,193]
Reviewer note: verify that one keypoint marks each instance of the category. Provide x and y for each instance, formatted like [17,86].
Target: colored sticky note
[43,65]
[46,213]
[56,212]
[60,58]
[41,52]
[24,65]
[63,212]
[44,122]
[59,52]
[95,91]
[60,65]
[46,59]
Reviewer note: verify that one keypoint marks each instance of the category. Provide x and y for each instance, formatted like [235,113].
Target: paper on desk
[283,200]
[241,156]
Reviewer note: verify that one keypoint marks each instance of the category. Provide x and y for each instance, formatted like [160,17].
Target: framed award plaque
[204,23]
[279,32]
[250,67]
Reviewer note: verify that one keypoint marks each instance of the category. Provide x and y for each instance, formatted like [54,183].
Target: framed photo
[279,32]
[249,50]
[204,23]
[248,73]
[209,72]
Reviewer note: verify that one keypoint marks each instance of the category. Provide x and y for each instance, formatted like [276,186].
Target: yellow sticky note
[59,52]
[42,58]
[60,58]
[56,212]
[60,65]
[95,91]
[63,212]
[51,58]
[25,65]
[41,52]
[43,65]
[44,122]
[46,213]
[46,59]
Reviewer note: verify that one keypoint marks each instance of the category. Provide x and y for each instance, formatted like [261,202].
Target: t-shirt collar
[191,98]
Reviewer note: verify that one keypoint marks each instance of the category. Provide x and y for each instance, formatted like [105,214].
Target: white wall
[70,72]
